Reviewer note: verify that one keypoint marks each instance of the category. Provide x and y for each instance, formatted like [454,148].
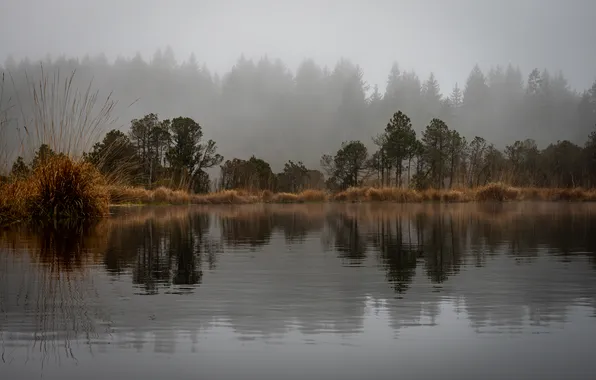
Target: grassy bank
[58,189]
[65,189]
[491,192]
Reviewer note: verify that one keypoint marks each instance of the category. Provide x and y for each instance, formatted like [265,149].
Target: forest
[174,154]
[321,128]
[263,108]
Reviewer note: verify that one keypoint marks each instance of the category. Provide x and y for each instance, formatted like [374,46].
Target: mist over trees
[262,108]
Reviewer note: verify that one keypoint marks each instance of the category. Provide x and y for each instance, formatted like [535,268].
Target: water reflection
[161,277]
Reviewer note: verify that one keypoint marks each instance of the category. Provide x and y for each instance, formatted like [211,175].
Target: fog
[281,110]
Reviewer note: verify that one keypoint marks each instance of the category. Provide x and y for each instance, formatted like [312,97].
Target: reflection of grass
[56,289]
[59,286]
[497,214]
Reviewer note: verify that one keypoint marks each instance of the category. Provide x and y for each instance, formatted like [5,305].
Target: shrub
[312,196]
[62,188]
[496,192]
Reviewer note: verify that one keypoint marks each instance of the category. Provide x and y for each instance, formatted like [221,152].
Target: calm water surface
[376,291]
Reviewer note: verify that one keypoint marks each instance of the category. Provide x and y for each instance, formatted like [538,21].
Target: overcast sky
[444,36]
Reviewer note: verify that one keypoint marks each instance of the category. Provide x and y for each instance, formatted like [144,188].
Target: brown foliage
[59,188]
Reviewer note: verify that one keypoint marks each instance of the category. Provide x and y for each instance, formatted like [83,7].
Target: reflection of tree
[153,266]
[162,252]
[186,246]
[252,230]
[172,252]
[398,256]
[122,248]
[347,238]
[414,244]
[296,226]
[442,251]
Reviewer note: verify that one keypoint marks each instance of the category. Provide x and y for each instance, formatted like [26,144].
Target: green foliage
[436,141]
[314,106]
[293,178]
[523,160]
[347,166]
[146,136]
[19,169]
[157,153]
[42,155]
[456,155]
[116,158]
[252,174]
[188,153]
[398,142]
[561,165]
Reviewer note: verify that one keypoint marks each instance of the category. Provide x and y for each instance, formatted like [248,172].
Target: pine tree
[398,142]
[456,98]
[431,95]
[436,141]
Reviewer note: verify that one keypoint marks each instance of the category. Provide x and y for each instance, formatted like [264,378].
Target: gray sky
[444,36]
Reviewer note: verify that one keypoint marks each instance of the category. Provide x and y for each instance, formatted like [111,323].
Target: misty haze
[293,189]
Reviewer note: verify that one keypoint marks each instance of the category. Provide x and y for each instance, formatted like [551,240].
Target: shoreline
[109,197]
[122,196]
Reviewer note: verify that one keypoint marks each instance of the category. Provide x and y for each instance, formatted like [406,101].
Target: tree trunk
[409,166]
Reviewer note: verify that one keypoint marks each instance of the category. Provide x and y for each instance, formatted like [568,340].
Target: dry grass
[12,202]
[393,194]
[352,194]
[455,196]
[267,196]
[225,197]
[129,195]
[496,192]
[285,198]
[68,120]
[64,188]
[312,196]
[58,189]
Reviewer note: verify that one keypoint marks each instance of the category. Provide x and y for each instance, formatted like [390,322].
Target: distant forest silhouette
[307,119]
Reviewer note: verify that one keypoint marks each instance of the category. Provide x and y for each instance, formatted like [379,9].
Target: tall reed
[55,113]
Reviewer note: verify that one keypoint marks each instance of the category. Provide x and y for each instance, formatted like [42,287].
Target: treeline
[262,106]
[443,158]
[173,153]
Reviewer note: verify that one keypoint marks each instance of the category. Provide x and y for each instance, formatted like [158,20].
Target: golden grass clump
[180,197]
[455,196]
[352,194]
[224,197]
[58,188]
[13,201]
[285,198]
[532,194]
[393,194]
[431,195]
[267,196]
[497,192]
[129,194]
[63,188]
[378,195]
[162,195]
[571,195]
[590,195]
[312,196]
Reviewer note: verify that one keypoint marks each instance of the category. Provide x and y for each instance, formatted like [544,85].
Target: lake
[320,291]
